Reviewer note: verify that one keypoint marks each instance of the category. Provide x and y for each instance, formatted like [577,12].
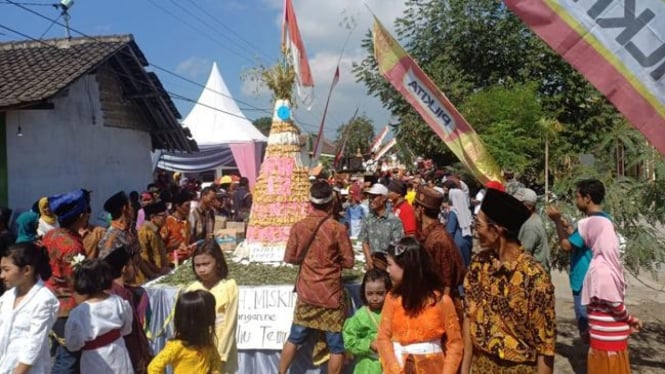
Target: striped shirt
[609,327]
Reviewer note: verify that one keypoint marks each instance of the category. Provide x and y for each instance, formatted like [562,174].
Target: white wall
[62,150]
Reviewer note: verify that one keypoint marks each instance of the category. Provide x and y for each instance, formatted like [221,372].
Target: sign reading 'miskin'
[618,45]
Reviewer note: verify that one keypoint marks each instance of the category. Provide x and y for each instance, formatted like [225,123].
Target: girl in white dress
[98,323]
[28,310]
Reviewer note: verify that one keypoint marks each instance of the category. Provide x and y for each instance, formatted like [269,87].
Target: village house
[81,113]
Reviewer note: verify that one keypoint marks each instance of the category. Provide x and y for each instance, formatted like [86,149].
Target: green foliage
[507,119]
[359,132]
[520,95]
[254,274]
[263,124]
[636,205]
[468,46]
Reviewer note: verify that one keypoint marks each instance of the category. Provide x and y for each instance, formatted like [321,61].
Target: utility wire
[229,29]
[167,71]
[30,4]
[24,35]
[202,32]
[173,94]
[49,27]
[154,65]
[205,23]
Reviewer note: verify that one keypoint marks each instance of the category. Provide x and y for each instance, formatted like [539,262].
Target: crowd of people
[433,301]
[73,300]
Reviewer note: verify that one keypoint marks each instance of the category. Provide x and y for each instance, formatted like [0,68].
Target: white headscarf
[461,209]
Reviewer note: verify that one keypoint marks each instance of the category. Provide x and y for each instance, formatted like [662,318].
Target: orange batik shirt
[510,307]
[437,320]
[176,234]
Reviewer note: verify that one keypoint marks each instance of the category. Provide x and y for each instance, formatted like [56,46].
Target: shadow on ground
[570,347]
[646,348]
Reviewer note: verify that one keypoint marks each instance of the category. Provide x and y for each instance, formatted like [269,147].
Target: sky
[186,36]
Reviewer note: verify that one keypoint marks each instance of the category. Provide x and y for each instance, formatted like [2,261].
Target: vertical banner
[432,105]
[618,45]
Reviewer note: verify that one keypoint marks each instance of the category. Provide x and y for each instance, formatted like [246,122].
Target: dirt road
[647,348]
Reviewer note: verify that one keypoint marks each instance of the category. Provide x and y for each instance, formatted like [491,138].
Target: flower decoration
[77,260]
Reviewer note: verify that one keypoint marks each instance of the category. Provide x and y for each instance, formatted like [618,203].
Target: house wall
[3,162]
[71,147]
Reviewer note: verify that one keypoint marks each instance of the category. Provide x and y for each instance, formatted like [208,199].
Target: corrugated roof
[32,72]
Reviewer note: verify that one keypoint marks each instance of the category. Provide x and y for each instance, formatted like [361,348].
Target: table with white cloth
[264,318]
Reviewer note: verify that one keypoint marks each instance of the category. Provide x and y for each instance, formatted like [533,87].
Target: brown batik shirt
[320,280]
[445,255]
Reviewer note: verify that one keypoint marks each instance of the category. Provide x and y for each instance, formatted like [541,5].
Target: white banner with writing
[264,316]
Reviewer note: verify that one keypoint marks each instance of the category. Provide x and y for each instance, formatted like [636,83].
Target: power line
[55,21]
[173,94]
[250,44]
[24,35]
[207,88]
[204,22]
[203,33]
[50,26]
[33,4]
[311,127]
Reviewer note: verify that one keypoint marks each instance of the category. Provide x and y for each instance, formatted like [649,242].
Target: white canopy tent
[224,135]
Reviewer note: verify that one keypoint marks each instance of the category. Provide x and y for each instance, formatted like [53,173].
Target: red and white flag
[293,43]
[378,140]
[385,149]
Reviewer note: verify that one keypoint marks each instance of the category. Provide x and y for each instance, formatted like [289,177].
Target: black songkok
[505,210]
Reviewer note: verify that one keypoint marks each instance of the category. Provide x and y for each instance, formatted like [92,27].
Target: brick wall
[117,111]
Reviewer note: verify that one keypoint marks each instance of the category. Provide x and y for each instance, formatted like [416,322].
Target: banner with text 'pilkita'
[432,105]
[618,45]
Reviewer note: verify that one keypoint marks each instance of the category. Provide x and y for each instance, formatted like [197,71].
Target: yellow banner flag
[432,105]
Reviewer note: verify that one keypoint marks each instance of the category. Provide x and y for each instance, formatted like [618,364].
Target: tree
[483,57]
[467,46]
[507,119]
[359,133]
[263,124]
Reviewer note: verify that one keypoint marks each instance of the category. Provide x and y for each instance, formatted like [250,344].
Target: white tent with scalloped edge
[224,135]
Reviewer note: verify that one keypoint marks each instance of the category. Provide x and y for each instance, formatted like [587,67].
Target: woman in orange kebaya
[417,317]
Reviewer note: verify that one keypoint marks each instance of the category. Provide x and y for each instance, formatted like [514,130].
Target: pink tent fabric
[247,156]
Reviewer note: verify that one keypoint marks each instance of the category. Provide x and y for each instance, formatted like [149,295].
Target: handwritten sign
[264,316]
[260,253]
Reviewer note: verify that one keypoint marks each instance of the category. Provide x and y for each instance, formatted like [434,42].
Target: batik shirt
[319,282]
[445,255]
[380,231]
[176,232]
[511,308]
[118,235]
[62,246]
[153,253]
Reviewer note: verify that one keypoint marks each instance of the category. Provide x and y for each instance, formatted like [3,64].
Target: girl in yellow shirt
[193,349]
[212,273]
